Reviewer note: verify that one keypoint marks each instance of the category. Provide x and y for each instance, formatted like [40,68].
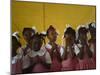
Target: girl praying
[85,53]
[70,61]
[40,58]
[54,49]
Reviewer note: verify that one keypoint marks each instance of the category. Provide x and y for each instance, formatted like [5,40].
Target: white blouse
[41,52]
[48,46]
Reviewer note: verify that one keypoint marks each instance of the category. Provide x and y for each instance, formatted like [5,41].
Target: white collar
[41,52]
[14,59]
[48,46]
[76,49]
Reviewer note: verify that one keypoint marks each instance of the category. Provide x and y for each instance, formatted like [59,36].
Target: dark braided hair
[83,30]
[50,29]
[28,29]
[39,37]
[70,31]
[15,45]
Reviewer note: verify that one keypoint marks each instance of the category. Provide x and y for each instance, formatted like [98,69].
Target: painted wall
[29,14]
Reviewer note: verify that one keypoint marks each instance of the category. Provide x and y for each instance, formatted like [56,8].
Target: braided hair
[37,39]
[15,45]
[70,31]
[92,30]
[83,31]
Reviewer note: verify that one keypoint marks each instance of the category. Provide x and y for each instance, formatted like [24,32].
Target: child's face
[36,44]
[52,35]
[27,35]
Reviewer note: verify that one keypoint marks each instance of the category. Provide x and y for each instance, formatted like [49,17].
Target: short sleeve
[19,53]
[76,49]
[48,58]
[61,51]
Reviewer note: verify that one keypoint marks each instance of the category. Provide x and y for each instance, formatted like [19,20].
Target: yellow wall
[28,14]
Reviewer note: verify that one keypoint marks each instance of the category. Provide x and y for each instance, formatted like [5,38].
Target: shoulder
[43,50]
[60,48]
[79,45]
[77,48]
[15,59]
[20,50]
[48,46]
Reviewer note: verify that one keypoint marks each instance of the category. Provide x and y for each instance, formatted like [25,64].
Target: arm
[47,60]
[81,53]
[64,56]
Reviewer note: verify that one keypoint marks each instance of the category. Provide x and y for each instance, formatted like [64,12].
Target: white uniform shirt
[41,52]
[48,46]
[25,58]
